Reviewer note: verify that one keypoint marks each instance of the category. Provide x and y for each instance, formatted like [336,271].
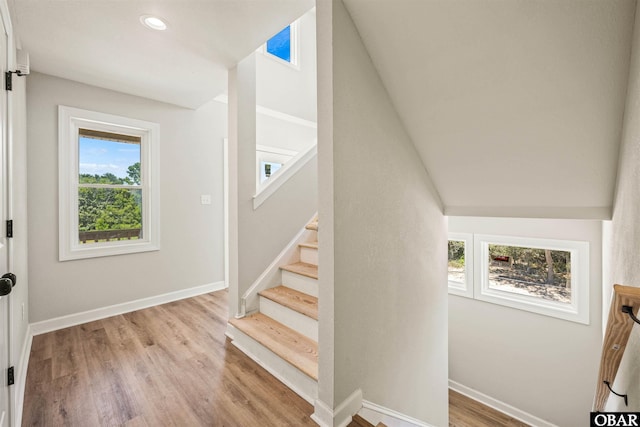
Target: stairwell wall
[261,233]
[388,240]
[624,251]
[520,358]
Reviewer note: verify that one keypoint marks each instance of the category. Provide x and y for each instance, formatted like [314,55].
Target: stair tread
[313,225]
[303,269]
[358,421]
[311,245]
[295,300]
[288,344]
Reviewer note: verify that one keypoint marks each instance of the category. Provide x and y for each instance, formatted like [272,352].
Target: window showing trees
[108,175]
[460,264]
[544,276]
[541,273]
[109,187]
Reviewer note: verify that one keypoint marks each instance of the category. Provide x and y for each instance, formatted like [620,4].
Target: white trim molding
[379,414]
[498,405]
[54,324]
[70,121]
[283,174]
[464,289]
[324,416]
[274,113]
[577,310]
[21,377]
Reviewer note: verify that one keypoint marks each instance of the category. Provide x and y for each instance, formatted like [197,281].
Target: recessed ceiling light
[153,22]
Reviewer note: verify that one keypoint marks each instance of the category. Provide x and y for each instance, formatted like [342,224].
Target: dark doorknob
[7,282]
[11,277]
[6,285]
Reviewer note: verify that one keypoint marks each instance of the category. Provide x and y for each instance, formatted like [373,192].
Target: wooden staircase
[283,335]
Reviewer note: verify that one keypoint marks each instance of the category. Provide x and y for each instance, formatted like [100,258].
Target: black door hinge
[9,228]
[8,78]
[10,376]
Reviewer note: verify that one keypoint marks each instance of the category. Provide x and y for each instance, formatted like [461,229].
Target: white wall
[283,133]
[262,233]
[287,89]
[286,95]
[625,235]
[387,244]
[191,234]
[544,366]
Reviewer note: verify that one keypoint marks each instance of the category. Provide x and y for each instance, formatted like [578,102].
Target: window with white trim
[284,45]
[269,160]
[544,276]
[460,268]
[108,184]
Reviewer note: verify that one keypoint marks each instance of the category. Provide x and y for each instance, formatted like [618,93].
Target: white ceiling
[102,43]
[511,104]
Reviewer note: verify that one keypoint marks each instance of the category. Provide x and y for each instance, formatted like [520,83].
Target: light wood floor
[169,365]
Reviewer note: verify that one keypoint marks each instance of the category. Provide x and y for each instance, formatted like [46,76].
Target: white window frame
[577,311]
[272,155]
[476,284]
[295,47]
[464,289]
[70,120]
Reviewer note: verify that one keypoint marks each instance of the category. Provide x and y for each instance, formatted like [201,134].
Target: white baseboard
[21,377]
[45,326]
[375,414]
[498,405]
[324,416]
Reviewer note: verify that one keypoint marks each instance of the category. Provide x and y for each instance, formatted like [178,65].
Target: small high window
[284,44]
[269,160]
[108,179]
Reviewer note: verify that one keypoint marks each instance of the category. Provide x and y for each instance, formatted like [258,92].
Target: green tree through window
[109,201]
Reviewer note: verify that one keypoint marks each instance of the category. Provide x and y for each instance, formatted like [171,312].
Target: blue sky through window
[98,156]
[280,44]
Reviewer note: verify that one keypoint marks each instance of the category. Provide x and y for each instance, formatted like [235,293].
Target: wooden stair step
[288,344]
[310,245]
[290,298]
[303,269]
[358,421]
[313,226]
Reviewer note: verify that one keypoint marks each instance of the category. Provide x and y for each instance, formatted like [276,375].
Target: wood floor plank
[169,365]
[466,412]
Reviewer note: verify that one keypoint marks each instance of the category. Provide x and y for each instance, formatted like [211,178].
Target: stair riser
[309,255]
[289,375]
[300,283]
[290,318]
